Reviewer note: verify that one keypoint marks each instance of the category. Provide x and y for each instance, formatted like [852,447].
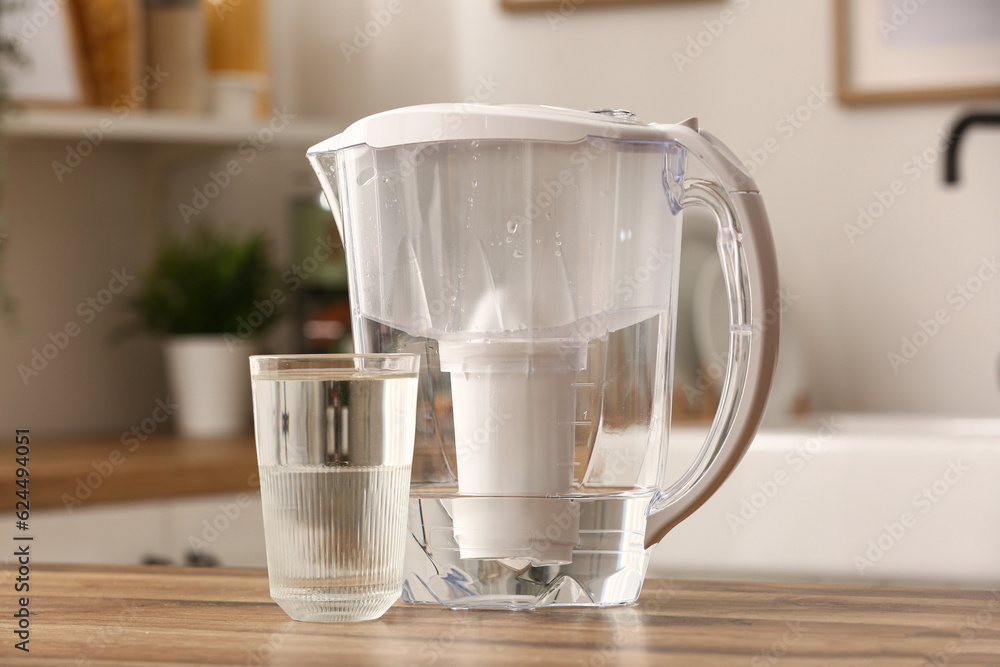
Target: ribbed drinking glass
[334,448]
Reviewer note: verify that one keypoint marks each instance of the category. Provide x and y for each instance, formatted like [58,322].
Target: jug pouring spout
[325,167]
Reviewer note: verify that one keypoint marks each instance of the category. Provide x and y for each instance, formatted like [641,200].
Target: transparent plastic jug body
[538,278]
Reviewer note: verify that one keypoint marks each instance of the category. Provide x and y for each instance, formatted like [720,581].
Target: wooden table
[112,615]
[84,471]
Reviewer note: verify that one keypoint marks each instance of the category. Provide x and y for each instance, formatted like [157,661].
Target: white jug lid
[504,122]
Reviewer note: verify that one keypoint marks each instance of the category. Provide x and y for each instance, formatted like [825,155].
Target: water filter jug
[530,256]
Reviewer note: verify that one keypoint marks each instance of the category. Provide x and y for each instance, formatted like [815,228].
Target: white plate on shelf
[710,319]
[697,250]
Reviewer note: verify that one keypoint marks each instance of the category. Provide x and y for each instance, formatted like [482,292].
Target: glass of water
[334,447]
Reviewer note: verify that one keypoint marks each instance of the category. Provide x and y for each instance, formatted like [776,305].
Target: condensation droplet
[518,254]
[511,226]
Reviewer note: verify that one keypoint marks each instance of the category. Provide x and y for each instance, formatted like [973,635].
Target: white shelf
[164,128]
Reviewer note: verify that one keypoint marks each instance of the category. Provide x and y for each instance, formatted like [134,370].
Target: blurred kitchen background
[840,108]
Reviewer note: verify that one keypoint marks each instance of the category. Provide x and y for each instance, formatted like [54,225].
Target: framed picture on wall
[916,50]
[47,35]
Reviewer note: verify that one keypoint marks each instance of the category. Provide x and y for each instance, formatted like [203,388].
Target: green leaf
[208,282]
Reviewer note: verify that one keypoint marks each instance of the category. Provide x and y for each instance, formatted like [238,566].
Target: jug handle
[746,249]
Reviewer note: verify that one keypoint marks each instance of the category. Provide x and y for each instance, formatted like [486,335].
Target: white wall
[856,300]
[65,240]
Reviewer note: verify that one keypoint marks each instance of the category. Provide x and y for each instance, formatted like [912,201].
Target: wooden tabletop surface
[114,615]
[110,469]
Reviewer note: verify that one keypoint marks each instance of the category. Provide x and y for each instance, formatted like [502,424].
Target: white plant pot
[211,384]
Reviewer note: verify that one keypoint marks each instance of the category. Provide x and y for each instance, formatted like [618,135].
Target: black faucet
[961,125]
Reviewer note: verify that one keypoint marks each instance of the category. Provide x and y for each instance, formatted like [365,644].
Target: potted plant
[208,293]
